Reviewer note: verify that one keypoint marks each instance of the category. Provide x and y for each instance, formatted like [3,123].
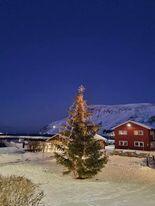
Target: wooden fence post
[147,161]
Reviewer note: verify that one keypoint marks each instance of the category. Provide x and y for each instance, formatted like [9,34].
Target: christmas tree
[79,152]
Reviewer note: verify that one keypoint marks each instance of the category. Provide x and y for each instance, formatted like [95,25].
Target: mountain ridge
[108,116]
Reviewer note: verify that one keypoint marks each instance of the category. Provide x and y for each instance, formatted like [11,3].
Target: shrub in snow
[19,191]
[36,146]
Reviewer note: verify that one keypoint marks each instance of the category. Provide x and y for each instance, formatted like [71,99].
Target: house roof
[147,125]
[97,137]
[56,135]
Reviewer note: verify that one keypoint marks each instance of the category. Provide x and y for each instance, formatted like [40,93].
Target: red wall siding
[130,137]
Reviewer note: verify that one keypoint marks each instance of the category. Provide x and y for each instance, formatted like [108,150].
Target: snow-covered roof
[147,126]
[56,135]
[99,137]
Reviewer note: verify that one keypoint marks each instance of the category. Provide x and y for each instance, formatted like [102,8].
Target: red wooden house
[134,135]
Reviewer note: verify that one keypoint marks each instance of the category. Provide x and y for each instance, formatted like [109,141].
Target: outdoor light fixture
[54,126]
[129,125]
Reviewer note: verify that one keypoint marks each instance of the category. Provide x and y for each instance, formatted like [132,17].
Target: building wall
[131,137]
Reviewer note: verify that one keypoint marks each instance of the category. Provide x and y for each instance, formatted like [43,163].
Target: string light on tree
[80,153]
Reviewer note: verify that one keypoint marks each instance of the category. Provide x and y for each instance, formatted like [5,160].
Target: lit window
[138,144]
[123,143]
[123,132]
[138,132]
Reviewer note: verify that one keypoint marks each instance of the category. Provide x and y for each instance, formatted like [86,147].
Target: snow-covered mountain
[109,116]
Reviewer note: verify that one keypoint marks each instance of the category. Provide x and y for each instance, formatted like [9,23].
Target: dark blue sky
[49,47]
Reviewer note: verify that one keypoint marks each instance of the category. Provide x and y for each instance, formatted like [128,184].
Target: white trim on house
[123,132]
[138,144]
[130,121]
[123,143]
[138,132]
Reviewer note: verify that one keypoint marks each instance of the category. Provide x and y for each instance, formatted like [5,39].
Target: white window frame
[138,144]
[123,132]
[123,143]
[138,132]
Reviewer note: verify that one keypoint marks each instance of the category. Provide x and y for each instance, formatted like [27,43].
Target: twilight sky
[49,47]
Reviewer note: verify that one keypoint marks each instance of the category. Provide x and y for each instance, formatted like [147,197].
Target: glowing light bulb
[129,125]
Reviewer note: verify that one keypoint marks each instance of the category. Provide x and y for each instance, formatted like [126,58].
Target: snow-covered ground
[123,182]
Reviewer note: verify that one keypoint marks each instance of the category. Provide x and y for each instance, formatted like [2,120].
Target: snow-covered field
[123,182]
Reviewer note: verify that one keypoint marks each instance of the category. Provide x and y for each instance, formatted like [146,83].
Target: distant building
[134,135]
[48,145]
[59,139]
[102,140]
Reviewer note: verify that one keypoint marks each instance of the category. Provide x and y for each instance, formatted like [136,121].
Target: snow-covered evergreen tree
[80,153]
